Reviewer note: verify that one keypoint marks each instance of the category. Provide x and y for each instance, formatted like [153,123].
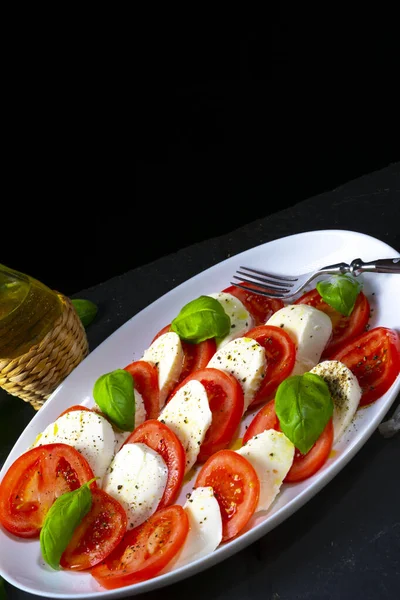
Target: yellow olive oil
[28,310]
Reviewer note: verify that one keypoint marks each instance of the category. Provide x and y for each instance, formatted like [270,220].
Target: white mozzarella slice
[166,354]
[309,328]
[271,454]
[88,432]
[245,359]
[345,392]
[137,477]
[120,439]
[189,416]
[241,319]
[205,526]
[140,410]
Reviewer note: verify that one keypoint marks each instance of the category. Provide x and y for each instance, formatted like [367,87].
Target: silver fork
[286,286]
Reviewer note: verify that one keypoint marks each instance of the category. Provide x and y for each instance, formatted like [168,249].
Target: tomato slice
[34,481]
[343,328]
[304,465]
[236,487]
[374,358]
[280,351]
[145,377]
[99,532]
[260,307]
[196,356]
[226,401]
[162,439]
[145,550]
[265,418]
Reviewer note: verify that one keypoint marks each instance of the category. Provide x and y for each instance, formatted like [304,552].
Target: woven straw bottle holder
[34,375]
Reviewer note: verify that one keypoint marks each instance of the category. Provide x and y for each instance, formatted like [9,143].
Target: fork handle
[358,266]
[382,265]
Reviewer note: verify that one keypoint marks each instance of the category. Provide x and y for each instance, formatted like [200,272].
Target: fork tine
[269,275]
[269,282]
[264,283]
[269,293]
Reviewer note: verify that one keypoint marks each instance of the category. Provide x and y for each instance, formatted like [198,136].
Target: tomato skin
[99,532]
[145,378]
[36,479]
[280,351]
[226,401]
[196,356]
[236,487]
[162,439]
[260,307]
[343,328]
[265,418]
[374,358]
[304,465]
[145,550]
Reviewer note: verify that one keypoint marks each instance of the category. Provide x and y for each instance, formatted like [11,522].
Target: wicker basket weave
[33,376]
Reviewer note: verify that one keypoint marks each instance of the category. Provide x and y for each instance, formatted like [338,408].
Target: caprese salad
[240,395]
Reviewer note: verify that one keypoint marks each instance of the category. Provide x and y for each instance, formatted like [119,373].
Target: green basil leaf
[201,319]
[114,394]
[340,292]
[61,521]
[304,406]
[86,309]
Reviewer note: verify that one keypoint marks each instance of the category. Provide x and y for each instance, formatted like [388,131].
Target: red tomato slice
[34,481]
[374,358]
[343,328]
[266,418]
[99,532]
[304,465]
[145,377]
[260,307]
[196,356]
[280,351]
[226,401]
[236,487]
[162,439]
[145,550]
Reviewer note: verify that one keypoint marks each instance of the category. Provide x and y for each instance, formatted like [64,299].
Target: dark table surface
[345,542]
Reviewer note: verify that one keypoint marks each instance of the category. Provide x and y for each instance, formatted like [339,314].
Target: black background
[122,149]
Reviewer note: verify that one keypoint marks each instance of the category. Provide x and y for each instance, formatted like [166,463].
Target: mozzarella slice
[205,526]
[166,354]
[271,453]
[309,328]
[345,391]
[137,477]
[241,319]
[244,358]
[140,410]
[189,416]
[87,431]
